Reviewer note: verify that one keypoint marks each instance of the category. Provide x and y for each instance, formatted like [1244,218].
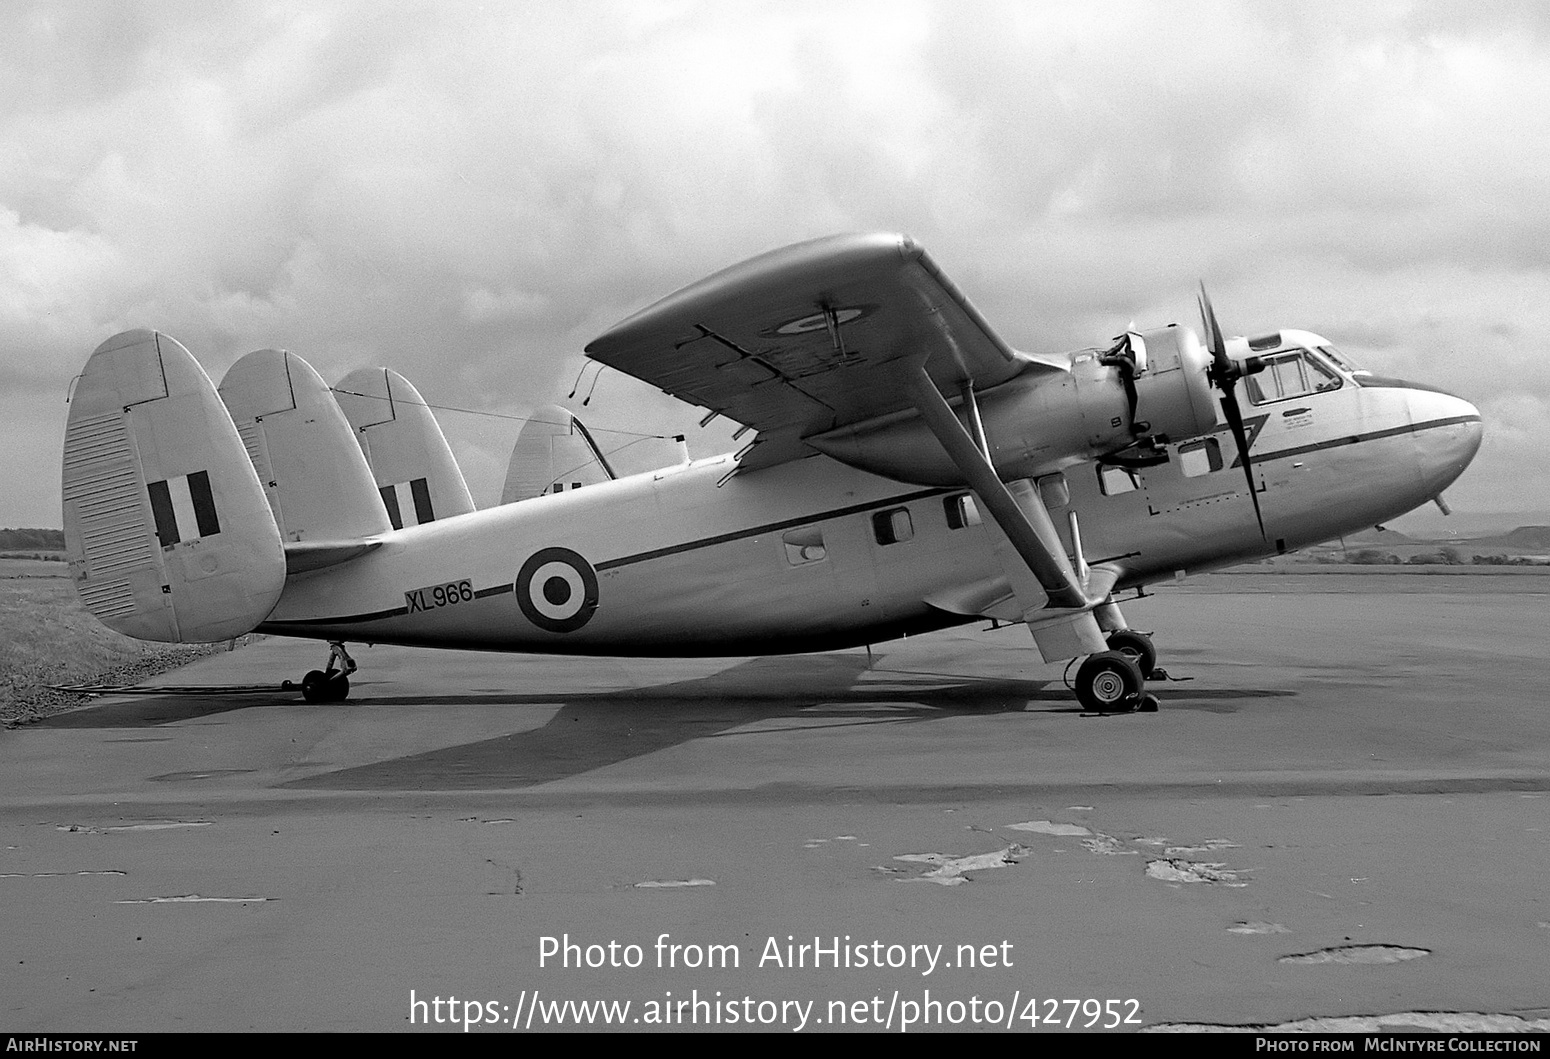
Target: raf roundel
[557,590]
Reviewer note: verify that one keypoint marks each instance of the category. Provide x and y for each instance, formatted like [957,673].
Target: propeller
[1225,373]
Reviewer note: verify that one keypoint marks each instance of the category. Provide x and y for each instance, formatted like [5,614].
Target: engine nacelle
[1174,398]
[1153,384]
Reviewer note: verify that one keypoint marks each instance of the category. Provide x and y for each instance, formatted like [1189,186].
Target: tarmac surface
[1343,813]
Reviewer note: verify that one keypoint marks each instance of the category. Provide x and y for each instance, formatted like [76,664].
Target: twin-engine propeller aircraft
[909,471]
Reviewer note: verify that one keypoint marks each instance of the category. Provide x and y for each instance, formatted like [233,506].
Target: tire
[1109,682]
[314,686]
[338,688]
[1137,646]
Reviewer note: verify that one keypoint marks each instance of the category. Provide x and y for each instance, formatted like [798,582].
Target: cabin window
[1054,491]
[1113,481]
[1288,375]
[804,545]
[961,511]
[893,526]
[1200,457]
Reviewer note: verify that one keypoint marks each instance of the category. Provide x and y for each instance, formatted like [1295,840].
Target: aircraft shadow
[593,729]
[149,711]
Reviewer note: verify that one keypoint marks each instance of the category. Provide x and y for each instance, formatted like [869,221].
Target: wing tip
[830,251]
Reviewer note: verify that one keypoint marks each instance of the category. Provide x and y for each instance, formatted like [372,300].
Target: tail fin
[553,453]
[166,528]
[415,471]
[314,474]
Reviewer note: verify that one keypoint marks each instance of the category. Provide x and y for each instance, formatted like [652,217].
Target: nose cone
[1447,434]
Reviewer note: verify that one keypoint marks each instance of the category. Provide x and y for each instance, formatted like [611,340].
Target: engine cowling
[1038,424]
[1174,398]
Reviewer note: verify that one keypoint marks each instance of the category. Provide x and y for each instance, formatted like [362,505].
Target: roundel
[820,320]
[557,590]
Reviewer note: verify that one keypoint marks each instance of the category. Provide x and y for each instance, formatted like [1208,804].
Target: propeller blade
[1220,361]
[1225,373]
[1241,438]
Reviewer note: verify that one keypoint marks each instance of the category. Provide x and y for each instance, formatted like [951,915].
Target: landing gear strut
[330,684]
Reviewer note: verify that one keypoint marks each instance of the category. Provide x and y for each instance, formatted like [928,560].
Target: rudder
[554,452]
[314,475]
[414,469]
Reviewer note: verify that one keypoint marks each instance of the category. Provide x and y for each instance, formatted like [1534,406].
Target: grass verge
[47,637]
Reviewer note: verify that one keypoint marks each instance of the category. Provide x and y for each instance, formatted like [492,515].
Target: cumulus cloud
[469,193]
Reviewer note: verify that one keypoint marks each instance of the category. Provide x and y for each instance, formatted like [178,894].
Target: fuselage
[815,554]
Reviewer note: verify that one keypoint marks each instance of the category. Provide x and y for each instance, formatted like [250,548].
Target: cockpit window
[1287,375]
[1340,360]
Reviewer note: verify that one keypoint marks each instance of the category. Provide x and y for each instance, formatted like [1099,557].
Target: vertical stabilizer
[167,530]
[553,453]
[314,474]
[415,471]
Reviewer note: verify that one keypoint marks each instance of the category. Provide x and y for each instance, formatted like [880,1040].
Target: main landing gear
[1114,681]
[331,683]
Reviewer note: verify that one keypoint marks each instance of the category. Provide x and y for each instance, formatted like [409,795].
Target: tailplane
[167,530]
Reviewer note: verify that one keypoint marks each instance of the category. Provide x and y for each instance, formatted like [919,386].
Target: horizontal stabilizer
[167,530]
[414,469]
[301,556]
[314,474]
[553,453]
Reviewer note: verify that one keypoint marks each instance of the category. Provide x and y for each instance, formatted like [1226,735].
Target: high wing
[812,337]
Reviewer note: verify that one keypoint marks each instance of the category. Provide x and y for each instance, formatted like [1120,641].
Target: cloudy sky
[470,192]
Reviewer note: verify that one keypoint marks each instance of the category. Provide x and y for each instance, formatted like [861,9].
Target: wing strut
[1024,520]
[1062,622]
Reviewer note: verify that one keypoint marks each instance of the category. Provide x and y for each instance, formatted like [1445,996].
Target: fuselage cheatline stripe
[1355,439]
[772,527]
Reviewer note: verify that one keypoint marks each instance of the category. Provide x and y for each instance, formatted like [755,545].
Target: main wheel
[338,688]
[314,686]
[1109,682]
[1137,646]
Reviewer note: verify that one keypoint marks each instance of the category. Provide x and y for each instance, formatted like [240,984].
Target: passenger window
[1116,480]
[1200,457]
[893,526]
[961,511]
[804,545]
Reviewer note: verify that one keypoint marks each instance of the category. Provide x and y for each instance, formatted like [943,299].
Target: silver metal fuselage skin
[691,561]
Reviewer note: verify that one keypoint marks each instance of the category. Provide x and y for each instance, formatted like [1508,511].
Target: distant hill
[36,540]
[1377,536]
[1524,538]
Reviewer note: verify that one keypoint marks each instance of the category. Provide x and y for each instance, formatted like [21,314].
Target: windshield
[1339,359]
